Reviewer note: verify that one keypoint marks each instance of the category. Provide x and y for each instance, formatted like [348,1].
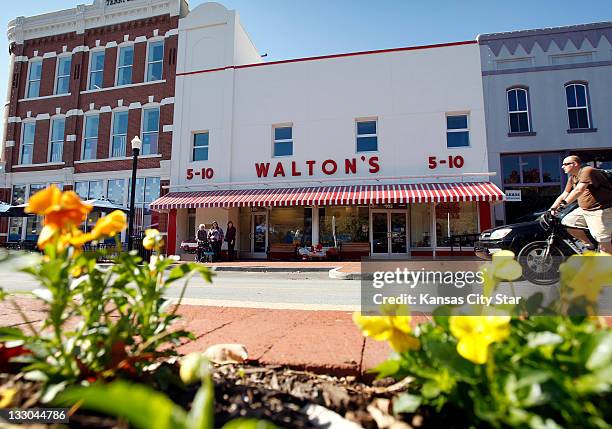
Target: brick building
[82,83]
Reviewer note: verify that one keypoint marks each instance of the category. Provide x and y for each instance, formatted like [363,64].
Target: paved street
[277,290]
[266,290]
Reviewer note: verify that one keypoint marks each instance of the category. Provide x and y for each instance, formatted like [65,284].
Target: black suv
[514,236]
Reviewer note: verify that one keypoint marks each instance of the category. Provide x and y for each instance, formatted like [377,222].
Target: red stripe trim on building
[326,57]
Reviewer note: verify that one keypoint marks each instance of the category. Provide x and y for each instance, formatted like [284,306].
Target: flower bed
[106,349]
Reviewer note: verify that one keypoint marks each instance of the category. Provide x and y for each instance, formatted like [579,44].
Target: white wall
[409,92]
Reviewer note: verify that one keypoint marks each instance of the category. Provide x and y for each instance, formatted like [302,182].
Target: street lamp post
[136,146]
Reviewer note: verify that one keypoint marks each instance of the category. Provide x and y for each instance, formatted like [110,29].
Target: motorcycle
[541,259]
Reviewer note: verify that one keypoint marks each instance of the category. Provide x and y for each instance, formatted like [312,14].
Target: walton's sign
[328,167]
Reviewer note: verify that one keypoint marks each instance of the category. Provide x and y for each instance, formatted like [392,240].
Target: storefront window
[420,225]
[34,224]
[530,164]
[16,223]
[551,170]
[18,194]
[453,219]
[351,225]
[89,190]
[539,183]
[534,199]
[290,225]
[511,169]
[15,226]
[115,189]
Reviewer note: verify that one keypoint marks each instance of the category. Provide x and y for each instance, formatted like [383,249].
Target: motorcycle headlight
[500,233]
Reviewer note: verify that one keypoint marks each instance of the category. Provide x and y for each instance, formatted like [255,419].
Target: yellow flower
[59,208]
[586,274]
[476,333]
[153,239]
[505,267]
[393,329]
[109,225]
[6,397]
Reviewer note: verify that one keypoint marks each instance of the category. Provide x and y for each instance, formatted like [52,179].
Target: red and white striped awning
[332,195]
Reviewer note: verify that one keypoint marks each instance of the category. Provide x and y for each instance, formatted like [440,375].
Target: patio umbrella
[105,205]
[4,207]
[14,211]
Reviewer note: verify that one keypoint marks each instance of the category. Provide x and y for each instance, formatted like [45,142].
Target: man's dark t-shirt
[598,192]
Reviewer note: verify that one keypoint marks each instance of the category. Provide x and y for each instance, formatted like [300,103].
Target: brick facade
[81,102]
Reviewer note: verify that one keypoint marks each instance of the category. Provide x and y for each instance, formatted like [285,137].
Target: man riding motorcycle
[594,212]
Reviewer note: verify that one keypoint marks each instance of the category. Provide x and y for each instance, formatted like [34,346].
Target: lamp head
[136,143]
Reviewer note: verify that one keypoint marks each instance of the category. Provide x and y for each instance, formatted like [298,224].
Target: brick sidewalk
[320,341]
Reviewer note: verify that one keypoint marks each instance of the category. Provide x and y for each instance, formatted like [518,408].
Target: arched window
[577,106]
[518,110]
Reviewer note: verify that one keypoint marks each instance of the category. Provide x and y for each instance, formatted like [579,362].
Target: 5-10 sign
[452,162]
[204,173]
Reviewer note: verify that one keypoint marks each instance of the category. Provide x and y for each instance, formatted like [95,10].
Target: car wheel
[539,267]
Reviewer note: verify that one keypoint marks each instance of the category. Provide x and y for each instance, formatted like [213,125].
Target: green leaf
[202,414]
[534,302]
[244,423]
[11,334]
[430,390]
[599,350]
[406,403]
[388,368]
[441,316]
[138,404]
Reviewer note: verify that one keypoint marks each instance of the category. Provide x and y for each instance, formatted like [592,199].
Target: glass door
[259,234]
[389,232]
[380,233]
[398,234]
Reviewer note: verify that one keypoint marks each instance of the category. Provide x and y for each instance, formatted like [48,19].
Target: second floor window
[283,141]
[34,75]
[57,140]
[150,131]
[125,65]
[577,106]
[518,110]
[367,138]
[27,142]
[62,81]
[457,131]
[96,70]
[119,137]
[200,147]
[155,60]
[90,137]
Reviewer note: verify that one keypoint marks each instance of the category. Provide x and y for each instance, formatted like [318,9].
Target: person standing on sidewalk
[215,237]
[202,240]
[230,237]
[593,191]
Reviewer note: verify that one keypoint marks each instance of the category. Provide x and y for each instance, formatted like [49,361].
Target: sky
[285,29]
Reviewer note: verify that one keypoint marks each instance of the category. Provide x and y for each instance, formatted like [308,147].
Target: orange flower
[109,225]
[60,209]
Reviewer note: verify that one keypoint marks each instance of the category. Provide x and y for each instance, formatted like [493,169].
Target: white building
[386,147]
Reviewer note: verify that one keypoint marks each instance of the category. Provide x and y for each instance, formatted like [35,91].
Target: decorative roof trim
[527,39]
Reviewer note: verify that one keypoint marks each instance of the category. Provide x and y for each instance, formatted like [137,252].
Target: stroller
[204,252]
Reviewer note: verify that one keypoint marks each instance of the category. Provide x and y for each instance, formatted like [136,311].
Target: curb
[336,274]
[271,269]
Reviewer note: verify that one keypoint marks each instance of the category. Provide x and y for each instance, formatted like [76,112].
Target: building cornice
[86,16]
